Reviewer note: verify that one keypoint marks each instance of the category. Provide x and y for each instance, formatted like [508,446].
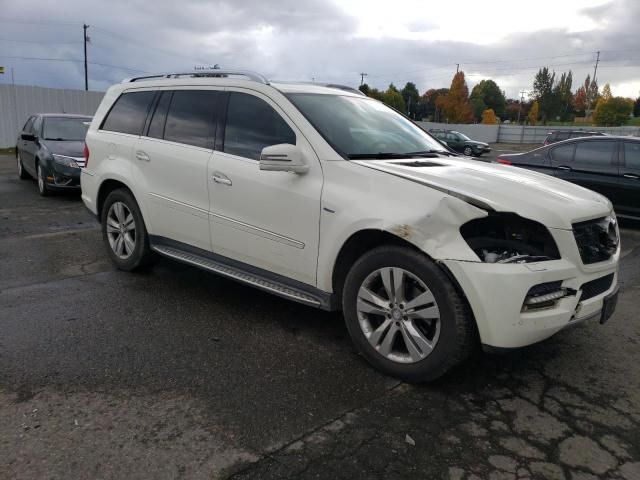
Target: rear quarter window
[128,113]
[563,153]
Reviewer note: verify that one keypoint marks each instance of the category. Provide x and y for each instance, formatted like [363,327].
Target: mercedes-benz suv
[323,196]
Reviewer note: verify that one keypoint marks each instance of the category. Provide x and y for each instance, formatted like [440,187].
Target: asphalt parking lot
[176,373]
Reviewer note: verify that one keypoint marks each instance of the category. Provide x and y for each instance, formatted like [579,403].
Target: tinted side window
[191,118]
[594,153]
[632,154]
[252,125]
[563,153]
[156,127]
[129,113]
[562,136]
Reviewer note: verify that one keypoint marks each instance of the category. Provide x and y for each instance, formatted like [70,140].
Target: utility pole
[86,73]
[595,67]
[522,92]
[362,75]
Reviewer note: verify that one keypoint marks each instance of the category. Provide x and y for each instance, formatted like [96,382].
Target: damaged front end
[509,238]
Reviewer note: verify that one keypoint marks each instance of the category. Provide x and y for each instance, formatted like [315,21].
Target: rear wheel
[124,231]
[405,316]
[22,173]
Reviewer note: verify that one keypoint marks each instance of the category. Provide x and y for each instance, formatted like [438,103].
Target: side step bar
[244,276]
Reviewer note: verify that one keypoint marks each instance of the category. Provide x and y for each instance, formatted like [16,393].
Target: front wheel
[405,316]
[42,183]
[124,231]
[468,151]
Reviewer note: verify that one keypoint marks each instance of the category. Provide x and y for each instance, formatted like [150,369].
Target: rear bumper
[496,293]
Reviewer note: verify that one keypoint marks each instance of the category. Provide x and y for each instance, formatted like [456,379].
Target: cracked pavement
[175,373]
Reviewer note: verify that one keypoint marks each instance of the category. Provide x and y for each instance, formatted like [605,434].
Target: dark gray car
[606,164]
[50,149]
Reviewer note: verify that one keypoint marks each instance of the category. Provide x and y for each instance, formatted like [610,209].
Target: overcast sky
[392,41]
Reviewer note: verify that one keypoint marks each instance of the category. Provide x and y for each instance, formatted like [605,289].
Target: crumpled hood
[548,200]
[70,148]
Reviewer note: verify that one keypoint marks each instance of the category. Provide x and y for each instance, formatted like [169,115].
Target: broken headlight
[509,238]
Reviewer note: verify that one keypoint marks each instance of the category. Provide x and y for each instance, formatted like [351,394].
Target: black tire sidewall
[438,360]
[141,248]
[470,150]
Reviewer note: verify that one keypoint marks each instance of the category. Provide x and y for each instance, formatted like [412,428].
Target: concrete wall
[481,133]
[18,102]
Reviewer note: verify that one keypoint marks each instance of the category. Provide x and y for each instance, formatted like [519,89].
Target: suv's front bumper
[496,293]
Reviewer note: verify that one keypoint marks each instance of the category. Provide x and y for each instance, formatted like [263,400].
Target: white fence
[520,133]
[18,102]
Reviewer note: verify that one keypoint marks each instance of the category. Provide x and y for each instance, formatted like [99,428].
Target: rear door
[629,197]
[26,148]
[171,161]
[593,165]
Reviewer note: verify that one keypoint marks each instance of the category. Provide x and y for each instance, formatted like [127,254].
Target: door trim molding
[261,232]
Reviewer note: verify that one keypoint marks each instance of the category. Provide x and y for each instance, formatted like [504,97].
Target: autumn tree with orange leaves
[455,105]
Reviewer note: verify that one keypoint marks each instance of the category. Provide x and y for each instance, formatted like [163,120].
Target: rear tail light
[503,161]
[85,152]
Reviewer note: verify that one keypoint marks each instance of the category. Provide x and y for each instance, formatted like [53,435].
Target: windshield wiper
[387,155]
[56,139]
[441,152]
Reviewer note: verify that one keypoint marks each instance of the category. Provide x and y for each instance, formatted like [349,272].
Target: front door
[593,166]
[269,220]
[28,148]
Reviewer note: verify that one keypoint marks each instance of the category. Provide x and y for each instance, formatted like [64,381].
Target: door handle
[140,155]
[221,178]
[563,167]
[631,175]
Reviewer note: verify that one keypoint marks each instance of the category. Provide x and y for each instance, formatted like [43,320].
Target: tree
[533,113]
[612,111]
[489,117]
[411,98]
[428,103]
[580,101]
[636,108]
[592,94]
[364,88]
[491,95]
[543,93]
[478,106]
[563,98]
[456,106]
[393,98]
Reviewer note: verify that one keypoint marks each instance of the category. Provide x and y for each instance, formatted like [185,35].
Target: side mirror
[283,157]
[28,137]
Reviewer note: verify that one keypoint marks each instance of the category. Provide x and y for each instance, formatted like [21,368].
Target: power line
[72,60]
[38,42]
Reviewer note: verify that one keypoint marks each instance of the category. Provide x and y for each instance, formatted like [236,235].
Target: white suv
[329,198]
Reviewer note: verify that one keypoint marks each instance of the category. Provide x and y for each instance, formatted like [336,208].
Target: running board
[240,275]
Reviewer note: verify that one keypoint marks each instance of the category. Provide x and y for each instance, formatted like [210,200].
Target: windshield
[65,128]
[359,127]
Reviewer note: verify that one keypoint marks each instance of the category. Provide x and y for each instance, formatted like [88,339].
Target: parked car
[608,165]
[324,196]
[559,135]
[461,143]
[49,148]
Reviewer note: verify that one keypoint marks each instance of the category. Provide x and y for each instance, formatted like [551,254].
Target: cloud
[292,39]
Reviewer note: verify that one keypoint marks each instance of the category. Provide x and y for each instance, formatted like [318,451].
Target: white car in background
[323,196]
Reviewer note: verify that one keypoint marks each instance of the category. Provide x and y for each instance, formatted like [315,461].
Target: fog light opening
[544,295]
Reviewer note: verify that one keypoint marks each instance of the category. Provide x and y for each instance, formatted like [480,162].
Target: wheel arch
[106,187]
[357,245]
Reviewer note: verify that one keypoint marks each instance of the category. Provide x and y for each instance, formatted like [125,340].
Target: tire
[468,151]
[452,336]
[22,173]
[132,251]
[42,184]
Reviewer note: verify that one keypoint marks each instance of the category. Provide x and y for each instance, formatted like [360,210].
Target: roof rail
[254,76]
[322,84]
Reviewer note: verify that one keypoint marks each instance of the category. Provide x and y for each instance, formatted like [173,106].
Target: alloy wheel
[121,230]
[398,315]
[40,180]
[19,165]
